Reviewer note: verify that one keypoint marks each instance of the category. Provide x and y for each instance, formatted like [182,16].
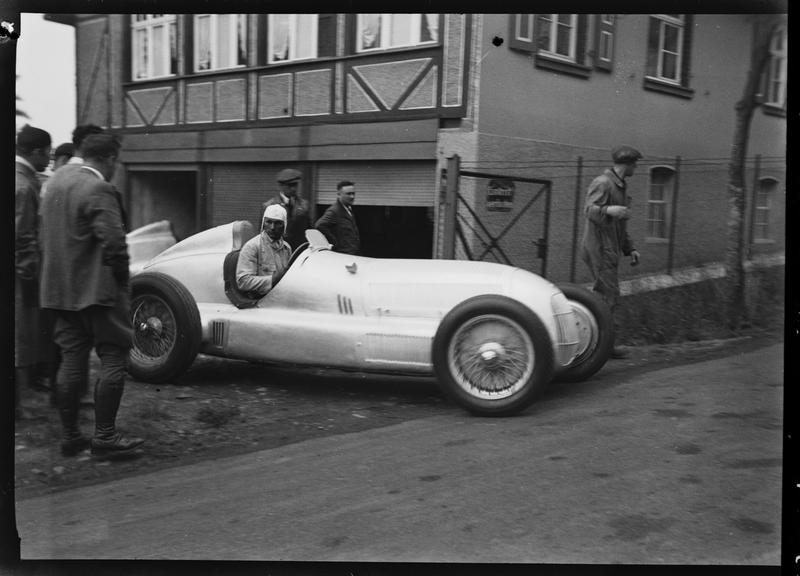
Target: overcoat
[84,252]
[605,238]
[340,228]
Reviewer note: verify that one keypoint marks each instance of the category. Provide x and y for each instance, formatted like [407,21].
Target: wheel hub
[151,326]
[491,353]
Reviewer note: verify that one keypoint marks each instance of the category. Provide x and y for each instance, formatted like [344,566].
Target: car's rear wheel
[166,328]
[595,334]
[492,355]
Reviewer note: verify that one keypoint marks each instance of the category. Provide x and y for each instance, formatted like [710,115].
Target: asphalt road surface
[678,465]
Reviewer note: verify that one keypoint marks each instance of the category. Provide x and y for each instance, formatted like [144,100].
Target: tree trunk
[763,29]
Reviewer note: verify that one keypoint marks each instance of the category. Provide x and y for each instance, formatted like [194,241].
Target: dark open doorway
[394,231]
[157,195]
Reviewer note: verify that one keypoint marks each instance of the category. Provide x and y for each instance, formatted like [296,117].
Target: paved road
[679,465]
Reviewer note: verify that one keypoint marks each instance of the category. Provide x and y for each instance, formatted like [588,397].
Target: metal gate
[496,216]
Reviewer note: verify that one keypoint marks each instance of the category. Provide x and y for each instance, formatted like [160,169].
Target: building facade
[213,106]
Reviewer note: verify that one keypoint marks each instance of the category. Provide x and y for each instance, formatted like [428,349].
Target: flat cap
[288,175]
[31,138]
[625,155]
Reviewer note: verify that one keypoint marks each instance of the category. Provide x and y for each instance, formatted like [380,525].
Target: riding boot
[72,441]
[108,443]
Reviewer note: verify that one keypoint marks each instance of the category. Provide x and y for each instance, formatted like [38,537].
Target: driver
[264,258]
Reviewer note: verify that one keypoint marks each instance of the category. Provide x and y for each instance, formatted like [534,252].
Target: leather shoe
[618,353]
[115,447]
[74,446]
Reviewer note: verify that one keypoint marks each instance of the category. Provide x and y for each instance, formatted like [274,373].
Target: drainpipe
[674,218]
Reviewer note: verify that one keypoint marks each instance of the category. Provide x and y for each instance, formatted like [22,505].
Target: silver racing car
[493,335]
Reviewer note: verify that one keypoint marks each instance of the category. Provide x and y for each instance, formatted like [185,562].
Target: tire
[476,340]
[166,328]
[596,331]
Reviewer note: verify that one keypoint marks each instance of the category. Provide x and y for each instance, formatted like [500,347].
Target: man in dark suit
[33,156]
[338,223]
[85,281]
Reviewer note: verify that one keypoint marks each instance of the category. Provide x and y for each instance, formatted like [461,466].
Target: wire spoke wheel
[155,329]
[491,356]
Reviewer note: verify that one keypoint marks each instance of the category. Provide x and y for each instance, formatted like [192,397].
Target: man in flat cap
[298,219]
[605,238]
[33,156]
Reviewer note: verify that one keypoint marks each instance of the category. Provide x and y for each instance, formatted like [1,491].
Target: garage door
[380,183]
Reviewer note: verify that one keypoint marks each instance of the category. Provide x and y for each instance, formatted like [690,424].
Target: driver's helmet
[274,212]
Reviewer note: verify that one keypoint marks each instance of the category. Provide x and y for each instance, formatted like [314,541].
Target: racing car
[493,335]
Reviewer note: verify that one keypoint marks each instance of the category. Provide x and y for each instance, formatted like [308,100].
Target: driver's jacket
[259,259]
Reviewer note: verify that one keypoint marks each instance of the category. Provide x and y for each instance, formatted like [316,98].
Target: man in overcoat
[85,281]
[298,219]
[33,156]
[606,239]
[338,223]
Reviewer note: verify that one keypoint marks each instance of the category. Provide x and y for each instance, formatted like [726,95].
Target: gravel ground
[224,407]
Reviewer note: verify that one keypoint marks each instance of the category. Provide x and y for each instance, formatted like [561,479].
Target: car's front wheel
[595,334]
[492,355]
[166,328]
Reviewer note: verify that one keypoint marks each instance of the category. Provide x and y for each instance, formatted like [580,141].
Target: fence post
[578,189]
[674,215]
[751,228]
[450,206]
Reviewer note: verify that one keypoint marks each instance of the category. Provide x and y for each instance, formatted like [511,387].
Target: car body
[492,334]
[148,241]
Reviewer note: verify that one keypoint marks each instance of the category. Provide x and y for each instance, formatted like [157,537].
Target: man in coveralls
[605,238]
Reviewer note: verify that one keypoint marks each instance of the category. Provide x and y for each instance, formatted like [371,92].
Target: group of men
[285,218]
[72,287]
[72,278]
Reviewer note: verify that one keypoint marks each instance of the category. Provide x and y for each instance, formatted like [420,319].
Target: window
[292,37]
[557,35]
[668,43]
[661,183]
[220,41]
[384,31]
[155,45]
[558,41]
[604,41]
[775,89]
[766,190]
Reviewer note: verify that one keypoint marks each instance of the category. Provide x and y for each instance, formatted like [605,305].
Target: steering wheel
[296,254]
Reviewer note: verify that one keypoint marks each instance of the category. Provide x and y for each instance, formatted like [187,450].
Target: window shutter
[609,28]
[326,35]
[580,44]
[261,40]
[351,23]
[688,29]
[521,22]
[651,65]
[127,65]
[188,42]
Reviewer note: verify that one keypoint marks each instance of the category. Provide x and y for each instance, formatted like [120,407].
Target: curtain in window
[306,41]
[158,51]
[370,32]
[279,43]
[241,43]
[141,53]
[223,40]
[203,32]
[430,28]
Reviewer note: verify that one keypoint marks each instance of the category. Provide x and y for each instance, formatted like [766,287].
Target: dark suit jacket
[340,229]
[26,222]
[84,252]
